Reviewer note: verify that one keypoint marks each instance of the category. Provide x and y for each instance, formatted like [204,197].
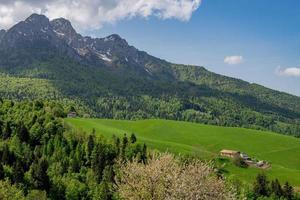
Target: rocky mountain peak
[39,32]
[36,19]
[116,39]
[36,27]
[63,27]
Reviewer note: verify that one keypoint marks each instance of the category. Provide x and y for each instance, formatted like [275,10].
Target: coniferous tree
[124,146]
[75,165]
[38,172]
[1,171]
[261,185]
[117,144]
[98,162]
[7,156]
[22,132]
[144,154]
[132,138]
[276,188]
[18,172]
[288,191]
[106,188]
[1,131]
[89,148]
[7,131]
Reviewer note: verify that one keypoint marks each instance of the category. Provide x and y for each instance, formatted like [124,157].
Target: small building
[230,153]
[245,156]
[260,163]
[72,115]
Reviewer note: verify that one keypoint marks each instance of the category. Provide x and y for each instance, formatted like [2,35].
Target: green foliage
[262,189]
[240,162]
[1,171]
[39,177]
[288,191]
[132,138]
[42,159]
[261,185]
[177,92]
[10,192]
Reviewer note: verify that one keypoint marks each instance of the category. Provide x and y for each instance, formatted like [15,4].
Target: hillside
[206,141]
[111,79]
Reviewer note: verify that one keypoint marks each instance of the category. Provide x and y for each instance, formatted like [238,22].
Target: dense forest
[43,158]
[210,107]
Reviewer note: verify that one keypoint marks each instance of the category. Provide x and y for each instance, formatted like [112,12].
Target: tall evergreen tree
[117,143]
[261,185]
[7,156]
[276,188]
[89,148]
[38,172]
[18,172]
[1,171]
[98,161]
[22,132]
[7,131]
[288,191]
[144,154]
[124,146]
[132,138]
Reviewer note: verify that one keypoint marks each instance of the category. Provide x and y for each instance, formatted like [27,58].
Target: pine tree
[7,156]
[106,188]
[18,172]
[124,146]
[98,161]
[144,154]
[7,131]
[261,185]
[1,132]
[117,144]
[1,171]
[276,188]
[38,172]
[89,148]
[132,138]
[288,191]
[22,132]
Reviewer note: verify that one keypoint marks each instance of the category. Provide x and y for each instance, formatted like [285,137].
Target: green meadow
[205,141]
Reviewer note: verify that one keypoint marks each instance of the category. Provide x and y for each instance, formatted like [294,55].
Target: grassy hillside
[206,141]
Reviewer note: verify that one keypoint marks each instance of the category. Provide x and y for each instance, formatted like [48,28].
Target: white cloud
[92,14]
[292,71]
[233,60]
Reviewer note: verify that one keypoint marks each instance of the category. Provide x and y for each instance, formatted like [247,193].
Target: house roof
[229,151]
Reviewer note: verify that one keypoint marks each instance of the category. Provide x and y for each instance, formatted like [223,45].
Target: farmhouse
[72,115]
[229,153]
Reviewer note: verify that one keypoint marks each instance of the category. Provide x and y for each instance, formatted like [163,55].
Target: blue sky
[266,33]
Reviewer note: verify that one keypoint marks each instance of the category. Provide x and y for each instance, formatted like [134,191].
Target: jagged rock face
[106,49]
[111,50]
[25,33]
[38,32]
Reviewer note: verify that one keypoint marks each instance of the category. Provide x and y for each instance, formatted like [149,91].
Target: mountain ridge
[116,80]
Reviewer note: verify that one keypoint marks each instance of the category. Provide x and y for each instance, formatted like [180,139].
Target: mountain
[107,77]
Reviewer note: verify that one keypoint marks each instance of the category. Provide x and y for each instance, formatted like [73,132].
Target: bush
[238,161]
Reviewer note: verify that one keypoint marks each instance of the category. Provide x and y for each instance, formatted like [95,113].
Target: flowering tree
[165,178]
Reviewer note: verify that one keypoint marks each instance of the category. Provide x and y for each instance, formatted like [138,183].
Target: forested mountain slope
[109,78]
